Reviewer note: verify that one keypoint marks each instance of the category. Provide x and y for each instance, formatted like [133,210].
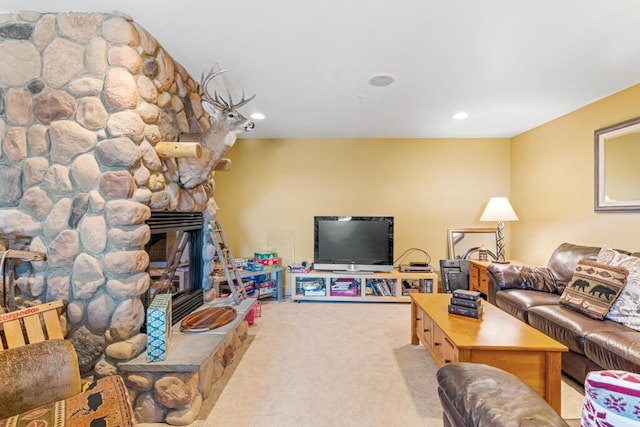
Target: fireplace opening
[176,244]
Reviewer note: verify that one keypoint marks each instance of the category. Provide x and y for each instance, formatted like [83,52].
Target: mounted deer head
[226,123]
[219,108]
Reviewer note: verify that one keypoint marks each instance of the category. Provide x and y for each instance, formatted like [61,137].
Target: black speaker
[455,274]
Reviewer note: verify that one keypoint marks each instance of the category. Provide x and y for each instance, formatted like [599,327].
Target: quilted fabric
[594,288]
[612,399]
[625,310]
[105,403]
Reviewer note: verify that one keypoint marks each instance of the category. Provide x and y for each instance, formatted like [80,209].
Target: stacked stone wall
[175,396]
[84,98]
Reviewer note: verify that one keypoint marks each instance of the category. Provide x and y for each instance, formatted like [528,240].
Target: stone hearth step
[172,390]
[188,351]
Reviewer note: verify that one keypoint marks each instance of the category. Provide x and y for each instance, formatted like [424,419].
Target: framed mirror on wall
[464,243]
[617,175]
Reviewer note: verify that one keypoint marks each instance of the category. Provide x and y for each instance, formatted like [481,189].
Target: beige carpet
[333,364]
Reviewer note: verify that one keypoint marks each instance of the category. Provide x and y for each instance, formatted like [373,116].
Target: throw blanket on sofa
[105,403]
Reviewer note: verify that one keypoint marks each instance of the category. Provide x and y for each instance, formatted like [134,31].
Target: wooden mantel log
[189,141]
[178,149]
[223,165]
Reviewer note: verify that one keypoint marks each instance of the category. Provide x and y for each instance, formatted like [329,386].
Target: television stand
[351,272]
[360,286]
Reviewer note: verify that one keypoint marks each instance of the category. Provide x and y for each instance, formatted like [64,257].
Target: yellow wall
[552,183]
[276,186]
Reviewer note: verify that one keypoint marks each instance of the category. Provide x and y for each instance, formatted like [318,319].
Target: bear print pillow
[594,288]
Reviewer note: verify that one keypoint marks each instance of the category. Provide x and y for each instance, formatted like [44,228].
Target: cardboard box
[264,255]
[255,266]
[158,327]
[241,262]
[269,262]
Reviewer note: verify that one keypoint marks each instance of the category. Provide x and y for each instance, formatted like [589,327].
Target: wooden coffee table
[497,339]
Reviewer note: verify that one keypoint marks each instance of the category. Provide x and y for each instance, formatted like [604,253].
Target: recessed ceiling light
[258,116]
[461,115]
[381,80]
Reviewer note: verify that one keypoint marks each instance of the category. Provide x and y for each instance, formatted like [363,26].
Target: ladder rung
[237,290]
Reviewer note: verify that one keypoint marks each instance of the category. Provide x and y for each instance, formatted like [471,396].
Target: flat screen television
[353,243]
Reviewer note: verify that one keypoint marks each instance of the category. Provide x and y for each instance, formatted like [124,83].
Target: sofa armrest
[520,277]
[37,374]
[479,395]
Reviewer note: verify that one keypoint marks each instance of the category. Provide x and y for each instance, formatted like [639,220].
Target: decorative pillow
[104,403]
[625,309]
[594,288]
[612,398]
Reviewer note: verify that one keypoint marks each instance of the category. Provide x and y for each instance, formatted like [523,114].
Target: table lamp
[499,209]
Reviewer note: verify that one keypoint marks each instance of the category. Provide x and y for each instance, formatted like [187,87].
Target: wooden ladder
[164,283]
[227,262]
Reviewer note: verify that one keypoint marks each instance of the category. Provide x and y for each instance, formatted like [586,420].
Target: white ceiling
[511,64]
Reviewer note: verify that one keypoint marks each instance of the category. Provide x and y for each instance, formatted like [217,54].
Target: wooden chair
[31,325]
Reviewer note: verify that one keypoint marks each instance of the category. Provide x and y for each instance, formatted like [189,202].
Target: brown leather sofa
[532,295]
[478,395]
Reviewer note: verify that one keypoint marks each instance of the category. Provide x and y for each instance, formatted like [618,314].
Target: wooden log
[178,149]
[223,165]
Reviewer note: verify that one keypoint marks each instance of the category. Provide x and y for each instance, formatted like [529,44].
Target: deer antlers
[218,101]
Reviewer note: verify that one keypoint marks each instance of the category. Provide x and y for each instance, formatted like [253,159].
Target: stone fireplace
[84,99]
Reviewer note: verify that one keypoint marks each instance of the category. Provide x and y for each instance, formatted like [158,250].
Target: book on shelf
[466,302]
[428,285]
[380,288]
[386,288]
[377,288]
[465,294]
[412,286]
[368,290]
[299,270]
[476,313]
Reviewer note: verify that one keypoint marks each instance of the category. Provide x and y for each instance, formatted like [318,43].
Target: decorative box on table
[158,327]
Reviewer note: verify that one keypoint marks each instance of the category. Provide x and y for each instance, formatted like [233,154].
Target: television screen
[344,243]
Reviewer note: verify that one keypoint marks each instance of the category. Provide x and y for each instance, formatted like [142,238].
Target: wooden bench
[31,325]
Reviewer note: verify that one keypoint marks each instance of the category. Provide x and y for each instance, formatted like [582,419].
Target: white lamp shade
[499,209]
